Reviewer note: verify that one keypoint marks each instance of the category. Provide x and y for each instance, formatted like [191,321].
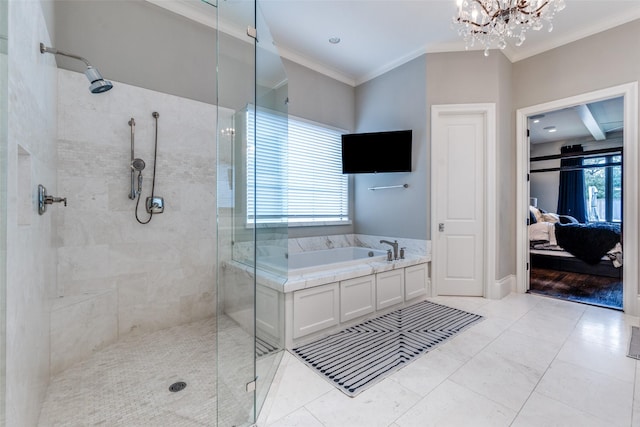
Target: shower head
[98,83]
[137,165]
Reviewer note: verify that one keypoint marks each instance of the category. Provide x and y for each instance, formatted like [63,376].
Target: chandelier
[493,22]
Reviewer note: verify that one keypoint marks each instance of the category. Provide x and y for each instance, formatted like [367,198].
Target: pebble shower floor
[127,383]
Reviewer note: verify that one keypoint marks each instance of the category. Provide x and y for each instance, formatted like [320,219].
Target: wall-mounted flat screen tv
[377,152]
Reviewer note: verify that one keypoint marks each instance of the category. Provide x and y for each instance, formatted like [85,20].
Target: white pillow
[536,212]
[539,232]
[550,217]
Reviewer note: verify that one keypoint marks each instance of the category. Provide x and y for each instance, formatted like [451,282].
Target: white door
[458,198]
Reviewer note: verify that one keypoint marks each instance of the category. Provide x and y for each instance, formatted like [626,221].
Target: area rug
[264,347]
[634,343]
[360,356]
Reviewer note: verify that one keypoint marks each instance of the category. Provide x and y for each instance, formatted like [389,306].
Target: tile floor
[127,383]
[533,361]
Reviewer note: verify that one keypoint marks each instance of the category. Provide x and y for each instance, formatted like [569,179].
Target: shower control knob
[49,200]
[44,199]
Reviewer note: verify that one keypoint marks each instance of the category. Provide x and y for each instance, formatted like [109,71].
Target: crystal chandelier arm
[484,7]
[487,12]
[521,9]
[495,21]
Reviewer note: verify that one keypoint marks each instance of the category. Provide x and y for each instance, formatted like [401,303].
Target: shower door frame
[239,296]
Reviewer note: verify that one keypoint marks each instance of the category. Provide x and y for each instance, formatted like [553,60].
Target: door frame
[490,288]
[630,165]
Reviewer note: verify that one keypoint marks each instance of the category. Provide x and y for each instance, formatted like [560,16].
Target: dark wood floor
[596,290]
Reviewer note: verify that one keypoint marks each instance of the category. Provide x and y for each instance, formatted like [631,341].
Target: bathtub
[320,260]
[331,259]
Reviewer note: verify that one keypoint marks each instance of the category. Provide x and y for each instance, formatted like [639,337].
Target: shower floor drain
[180,385]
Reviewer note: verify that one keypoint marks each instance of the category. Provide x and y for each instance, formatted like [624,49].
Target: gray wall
[140,44]
[544,186]
[506,172]
[395,101]
[111,36]
[603,60]
[144,45]
[314,96]
[449,81]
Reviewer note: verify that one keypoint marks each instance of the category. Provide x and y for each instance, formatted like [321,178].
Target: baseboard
[503,287]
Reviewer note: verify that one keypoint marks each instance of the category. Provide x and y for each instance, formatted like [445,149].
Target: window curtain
[571,200]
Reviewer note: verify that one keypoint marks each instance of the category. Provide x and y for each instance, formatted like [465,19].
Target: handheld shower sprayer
[139,182]
[154,204]
[138,165]
[98,83]
[135,165]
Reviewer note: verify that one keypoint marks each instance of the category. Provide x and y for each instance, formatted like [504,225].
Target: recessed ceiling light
[536,118]
[334,40]
[550,129]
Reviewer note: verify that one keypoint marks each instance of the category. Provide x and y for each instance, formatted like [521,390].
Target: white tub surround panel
[326,308]
[359,297]
[366,267]
[322,299]
[389,288]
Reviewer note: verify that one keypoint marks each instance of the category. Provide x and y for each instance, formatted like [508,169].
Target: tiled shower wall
[31,255]
[116,276]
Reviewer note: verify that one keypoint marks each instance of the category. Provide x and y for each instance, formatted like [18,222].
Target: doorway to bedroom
[576,203]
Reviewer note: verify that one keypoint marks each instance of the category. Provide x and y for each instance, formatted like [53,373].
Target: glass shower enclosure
[252,233]
[4,84]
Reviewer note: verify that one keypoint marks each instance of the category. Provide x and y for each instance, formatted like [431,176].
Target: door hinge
[252,32]
[527,266]
[528,220]
[528,177]
[528,133]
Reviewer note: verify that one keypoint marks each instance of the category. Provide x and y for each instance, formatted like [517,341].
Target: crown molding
[315,66]
[515,55]
[195,12]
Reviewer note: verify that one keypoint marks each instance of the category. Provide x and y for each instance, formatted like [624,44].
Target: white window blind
[298,171]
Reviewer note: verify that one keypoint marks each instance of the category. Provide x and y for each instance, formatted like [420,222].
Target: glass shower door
[235,235]
[270,206]
[4,83]
[252,237]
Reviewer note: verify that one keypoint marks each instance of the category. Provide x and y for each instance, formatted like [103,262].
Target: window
[603,188]
[298,172]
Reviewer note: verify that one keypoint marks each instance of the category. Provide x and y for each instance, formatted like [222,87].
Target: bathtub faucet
[394,245]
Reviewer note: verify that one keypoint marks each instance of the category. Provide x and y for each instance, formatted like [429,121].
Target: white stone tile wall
[139,278]
[31,255]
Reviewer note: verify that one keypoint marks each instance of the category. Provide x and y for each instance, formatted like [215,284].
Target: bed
[559,242]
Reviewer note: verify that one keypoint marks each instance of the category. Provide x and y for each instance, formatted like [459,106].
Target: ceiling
[377,36]
[594,120]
